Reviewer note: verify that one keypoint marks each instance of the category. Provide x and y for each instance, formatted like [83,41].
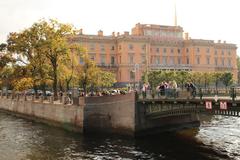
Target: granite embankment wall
[112,114]
[69,117]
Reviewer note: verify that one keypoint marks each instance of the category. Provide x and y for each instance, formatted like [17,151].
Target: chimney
[113,34]
[118,34]
[126,33]
[219,41]
[224,41]
[100,33]
[80,31]
[186,36]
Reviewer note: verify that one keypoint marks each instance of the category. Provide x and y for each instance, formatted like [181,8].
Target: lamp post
[136,67]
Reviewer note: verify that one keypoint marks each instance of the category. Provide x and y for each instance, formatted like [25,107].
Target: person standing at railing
[193,89]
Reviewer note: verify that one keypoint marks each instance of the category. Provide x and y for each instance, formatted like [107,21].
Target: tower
[175,14]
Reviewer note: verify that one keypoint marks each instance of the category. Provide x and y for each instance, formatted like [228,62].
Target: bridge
[222,102]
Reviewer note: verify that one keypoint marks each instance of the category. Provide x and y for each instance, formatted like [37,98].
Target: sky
[202,19]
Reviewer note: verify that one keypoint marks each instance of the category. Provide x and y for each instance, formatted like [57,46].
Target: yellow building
[156,47]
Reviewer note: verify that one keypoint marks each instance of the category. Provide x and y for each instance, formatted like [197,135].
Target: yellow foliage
[23,84]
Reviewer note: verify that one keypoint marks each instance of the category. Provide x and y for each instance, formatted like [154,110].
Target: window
[164,50]
[112,60]
[130,47]
[81,61]
[222,61]
[144,47]
[207,50]
[112,48]
[187,50]
[187,60]
[102,47]
[157,60]
[92,57]
[143,59]
[157,50]
[208,60]
[229,61]
[171,60]
[120,59]
[179,51]
[222,52]
[179,60]
[216,61]
[229,53]
[197,60]
[216,52]
[92,46]
[130,58]
[102,59]
[132,75]
[119,47]
[172,50]
[198,50]
[164,60]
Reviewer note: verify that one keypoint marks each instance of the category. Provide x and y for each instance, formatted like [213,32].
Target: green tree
[227,78]
[216,78]
[182,77]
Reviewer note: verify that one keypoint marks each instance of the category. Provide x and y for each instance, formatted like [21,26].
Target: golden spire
[175,14]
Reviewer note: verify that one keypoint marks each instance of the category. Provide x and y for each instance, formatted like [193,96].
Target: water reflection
[21,139]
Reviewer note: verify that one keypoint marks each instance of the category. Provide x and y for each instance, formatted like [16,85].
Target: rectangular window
[112,48]
[132,75]
[144,59]
[208,60]
[187,60]
[216,61]
[144,47]
[130,47]
[171,60]
[229,53]
[92,46]
[222,61]
[207,50]
[179,51]
[187,50]
[164,50]
[216,52]
[229,62]
[157,50]
[179,60]
[81,61]
[222,52]
[198,50]
[112,60]
[197,60]
[119,47]
[102,47]
[130,58]
[164,60]
[172,50]
[103,59]
[92,57]
[157,60]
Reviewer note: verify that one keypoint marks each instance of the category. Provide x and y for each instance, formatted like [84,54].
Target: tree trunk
[55,82]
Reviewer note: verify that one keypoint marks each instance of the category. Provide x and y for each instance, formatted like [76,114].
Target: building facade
[156,47]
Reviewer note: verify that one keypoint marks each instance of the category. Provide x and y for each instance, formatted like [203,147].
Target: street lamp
[136,67]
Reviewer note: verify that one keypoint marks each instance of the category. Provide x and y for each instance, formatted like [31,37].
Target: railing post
[233,93]
[200,93]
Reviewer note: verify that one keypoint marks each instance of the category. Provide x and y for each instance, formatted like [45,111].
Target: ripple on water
[222,133]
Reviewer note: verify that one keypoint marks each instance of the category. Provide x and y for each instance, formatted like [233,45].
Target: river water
[217,138]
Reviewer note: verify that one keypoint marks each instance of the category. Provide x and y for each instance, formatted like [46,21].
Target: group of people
[169,88]
[191,88]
